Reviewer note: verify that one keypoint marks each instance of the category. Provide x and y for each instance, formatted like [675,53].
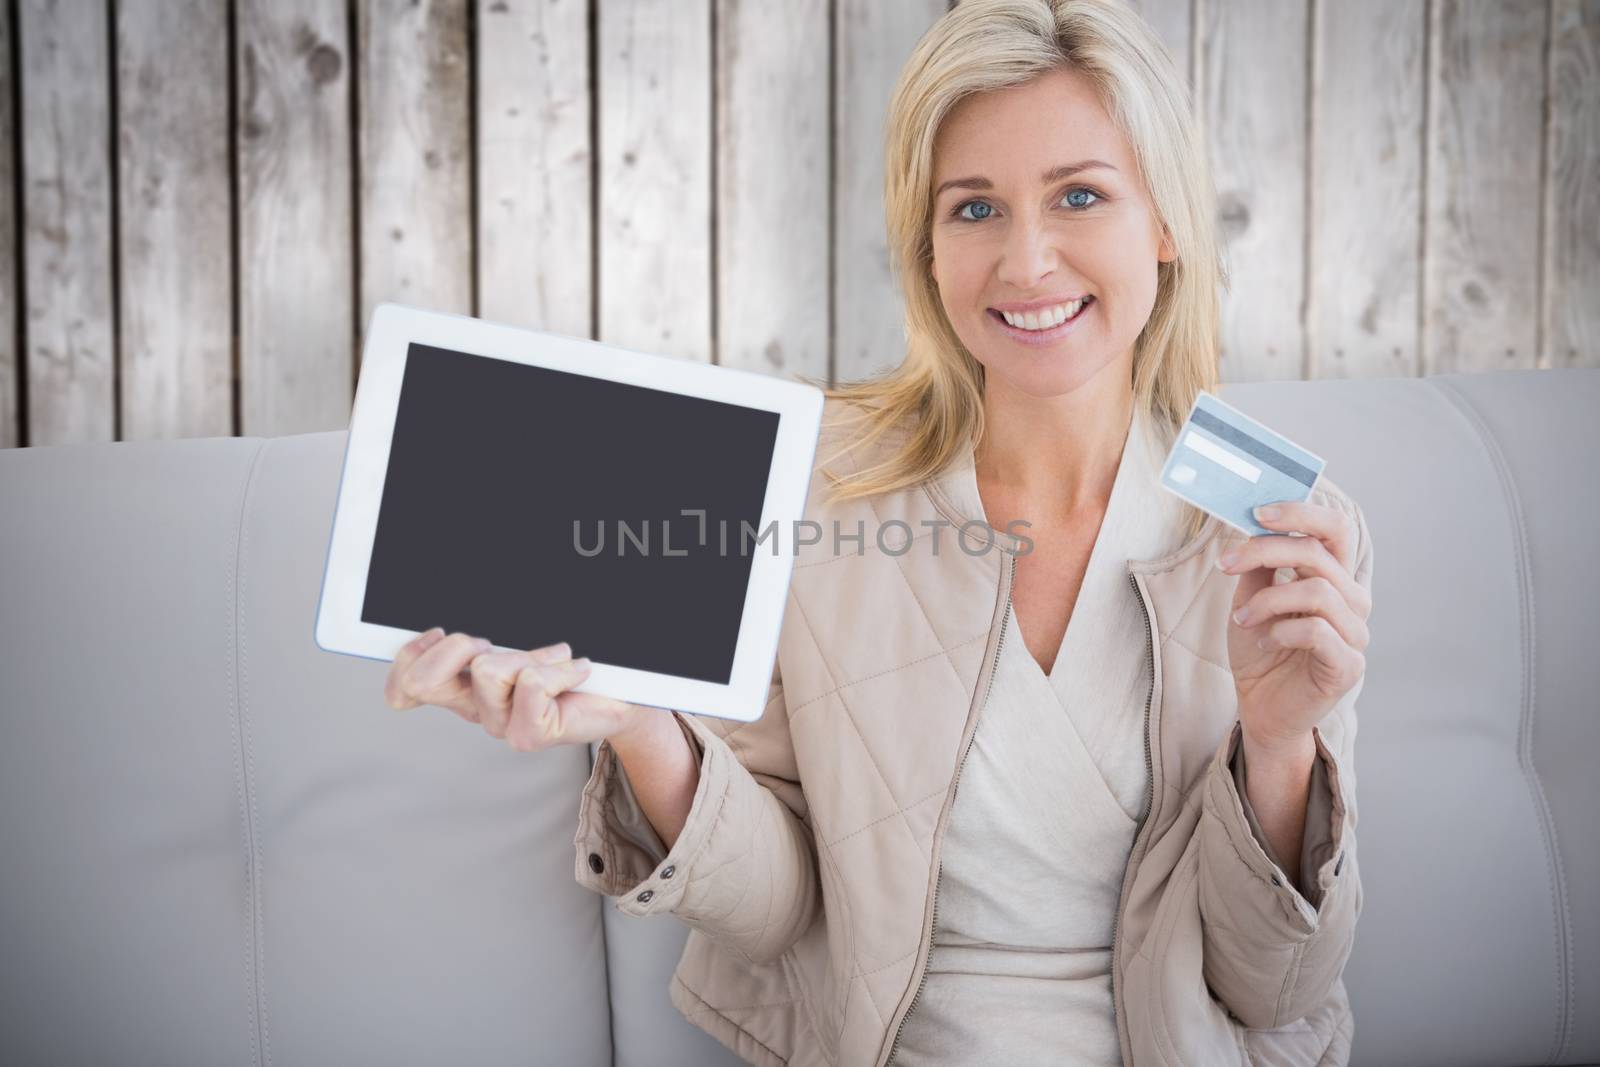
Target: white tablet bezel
[394,327]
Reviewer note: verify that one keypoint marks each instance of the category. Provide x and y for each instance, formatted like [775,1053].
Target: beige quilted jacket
[807,871]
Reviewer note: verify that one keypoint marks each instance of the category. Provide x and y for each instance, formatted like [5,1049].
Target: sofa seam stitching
[1530,772]
[260,1048]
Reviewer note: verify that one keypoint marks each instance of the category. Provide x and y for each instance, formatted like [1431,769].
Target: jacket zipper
[933,915]
[1150,793]
[1149,801]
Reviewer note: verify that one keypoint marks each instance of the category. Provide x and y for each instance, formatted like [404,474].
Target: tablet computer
[531,488]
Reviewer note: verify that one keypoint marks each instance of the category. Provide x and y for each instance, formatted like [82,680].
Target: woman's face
[1020,234]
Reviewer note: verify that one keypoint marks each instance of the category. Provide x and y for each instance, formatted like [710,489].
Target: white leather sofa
[219,846]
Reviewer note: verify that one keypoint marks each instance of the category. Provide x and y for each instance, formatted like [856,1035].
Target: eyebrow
[1066,170]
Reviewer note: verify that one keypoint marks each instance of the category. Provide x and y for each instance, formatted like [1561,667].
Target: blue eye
[1074,199]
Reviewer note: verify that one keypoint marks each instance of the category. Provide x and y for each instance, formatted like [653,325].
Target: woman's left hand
[1311,630]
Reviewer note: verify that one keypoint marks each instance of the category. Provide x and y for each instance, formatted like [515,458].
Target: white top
[1046,809]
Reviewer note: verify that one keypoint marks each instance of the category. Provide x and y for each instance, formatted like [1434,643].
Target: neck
[1063,450]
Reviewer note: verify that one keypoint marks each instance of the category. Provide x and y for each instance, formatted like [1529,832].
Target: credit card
[1227,464]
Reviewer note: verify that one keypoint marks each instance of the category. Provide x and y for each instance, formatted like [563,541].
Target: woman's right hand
[521,698]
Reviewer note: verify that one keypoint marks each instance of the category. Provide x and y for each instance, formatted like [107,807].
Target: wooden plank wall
[202,200]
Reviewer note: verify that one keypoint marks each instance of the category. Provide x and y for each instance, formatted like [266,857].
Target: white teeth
[1043,320]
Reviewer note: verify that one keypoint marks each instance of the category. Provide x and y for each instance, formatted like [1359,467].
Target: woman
[1150,858]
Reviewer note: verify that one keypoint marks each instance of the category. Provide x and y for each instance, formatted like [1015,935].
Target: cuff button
[644,898]
[668,872]
[596,864]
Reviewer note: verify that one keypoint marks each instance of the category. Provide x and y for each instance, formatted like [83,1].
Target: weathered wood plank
[296,240]
[1172,20]
[655,176]
[1253,73]
[871,44]
[1572,218]
[416,186]
[174,269]
[10,355]
[66,189]
[1481,258]
[1366,194]
[534,160]
[772,187]
[1408,234]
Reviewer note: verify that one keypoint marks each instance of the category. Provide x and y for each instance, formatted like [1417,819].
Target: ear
[1168,251]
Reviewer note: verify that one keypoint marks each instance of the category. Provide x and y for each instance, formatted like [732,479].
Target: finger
[1307,556]
[1306,596]
[435,678]
[493,677]
[1251,580]
[393,695]
[494,681]
[534,704]
[1341,665]
[584,717]
[1335,529]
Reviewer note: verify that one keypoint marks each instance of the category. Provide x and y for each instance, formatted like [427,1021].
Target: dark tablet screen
[530,506]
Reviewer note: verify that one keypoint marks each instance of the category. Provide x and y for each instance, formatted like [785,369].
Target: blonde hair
[935,394]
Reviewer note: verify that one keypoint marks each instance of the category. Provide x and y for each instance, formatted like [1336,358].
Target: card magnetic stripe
[1259,449]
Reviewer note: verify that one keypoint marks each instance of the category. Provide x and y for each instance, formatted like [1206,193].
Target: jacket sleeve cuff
[1318,840]
[1322,850]
[619,854]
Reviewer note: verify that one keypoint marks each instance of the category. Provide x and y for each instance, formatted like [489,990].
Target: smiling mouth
[1043,332]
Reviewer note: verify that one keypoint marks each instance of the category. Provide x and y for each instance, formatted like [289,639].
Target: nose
[1027,255]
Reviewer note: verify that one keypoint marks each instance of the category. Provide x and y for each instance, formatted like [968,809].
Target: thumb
[573,717]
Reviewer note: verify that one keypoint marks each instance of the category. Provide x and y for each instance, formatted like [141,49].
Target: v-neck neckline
[1105,540]
[1141,520]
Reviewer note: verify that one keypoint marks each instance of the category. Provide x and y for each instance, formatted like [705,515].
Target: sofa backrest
[1479,941]
[221,846]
